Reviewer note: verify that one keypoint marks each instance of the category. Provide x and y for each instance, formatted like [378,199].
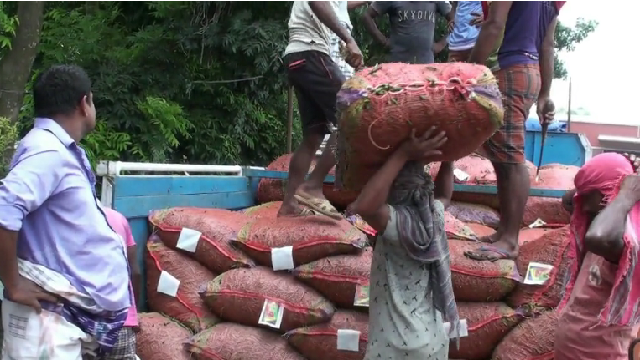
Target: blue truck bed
[136,196]
[234,187]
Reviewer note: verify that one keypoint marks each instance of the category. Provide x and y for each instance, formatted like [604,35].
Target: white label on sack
[188,239]
[282,258]
[460,175]
[464,330]
[272,314]
[537,273]
[348,340]
[537,223]
[137,358]
[168,284]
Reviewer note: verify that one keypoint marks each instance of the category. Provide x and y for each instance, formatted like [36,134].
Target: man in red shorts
[524,72]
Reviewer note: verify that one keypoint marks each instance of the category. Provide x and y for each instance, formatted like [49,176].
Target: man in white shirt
[316,80]
[342,12]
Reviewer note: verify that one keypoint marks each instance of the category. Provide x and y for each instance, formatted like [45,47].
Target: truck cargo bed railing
[253,172]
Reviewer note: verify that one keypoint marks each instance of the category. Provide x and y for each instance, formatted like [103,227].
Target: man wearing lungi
[524,72]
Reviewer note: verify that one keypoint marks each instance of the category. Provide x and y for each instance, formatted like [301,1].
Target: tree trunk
[15,66]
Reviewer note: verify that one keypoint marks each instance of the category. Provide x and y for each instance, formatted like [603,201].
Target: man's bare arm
[605,235]
[490,32]
[547,59]
[325,13]
[9,258]
[372,27]
[356,4]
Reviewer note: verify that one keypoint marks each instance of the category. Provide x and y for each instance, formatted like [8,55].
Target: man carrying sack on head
[524,72]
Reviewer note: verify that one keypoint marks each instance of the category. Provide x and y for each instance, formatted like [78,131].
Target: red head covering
[605,173]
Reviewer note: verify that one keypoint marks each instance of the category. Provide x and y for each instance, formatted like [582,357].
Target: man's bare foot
[490,239]
[307,191]
[294,210]
[499,250]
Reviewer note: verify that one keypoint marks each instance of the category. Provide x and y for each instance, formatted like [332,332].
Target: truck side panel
[135,196]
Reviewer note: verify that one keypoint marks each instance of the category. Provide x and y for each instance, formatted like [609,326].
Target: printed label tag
[348,340]
[537,223]
[282,258]
[460,175]
[272,314]
[168,284]
[188,240]
[464,330]
[362,296]
[537,273]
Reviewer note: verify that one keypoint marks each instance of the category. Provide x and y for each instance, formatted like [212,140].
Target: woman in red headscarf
[599,315]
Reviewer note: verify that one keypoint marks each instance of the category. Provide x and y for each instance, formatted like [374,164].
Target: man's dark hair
[59,90]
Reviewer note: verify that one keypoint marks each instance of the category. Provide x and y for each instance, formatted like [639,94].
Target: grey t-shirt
[412,27]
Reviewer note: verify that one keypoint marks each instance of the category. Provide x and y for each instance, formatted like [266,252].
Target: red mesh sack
[269,210]
[547,209]
[472,213]
[481,172]
[239,296]
[478,168]
[481,231]
[551,249]
[524,236]
[380,106]
[488,324]
[311,238]
[204,234]
[229,341]
[318,342]
[185,305]
[532,339]
[527,235]
[480,280]
[456,229]
[337,277]
[273,189]
[161,338]
[550,210]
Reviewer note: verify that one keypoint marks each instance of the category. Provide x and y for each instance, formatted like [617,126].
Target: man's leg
[314,184]
[313,84]
[519,86]
[325,96]
[513,192]
[298,168]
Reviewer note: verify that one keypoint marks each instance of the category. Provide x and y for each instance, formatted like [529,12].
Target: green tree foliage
[8,138]
[196,82]
[567,38]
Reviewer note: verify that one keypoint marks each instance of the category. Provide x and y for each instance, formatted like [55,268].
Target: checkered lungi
[520,86]
[124,349]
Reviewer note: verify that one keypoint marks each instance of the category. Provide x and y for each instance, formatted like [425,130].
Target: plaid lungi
[520,86]
[124,349]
